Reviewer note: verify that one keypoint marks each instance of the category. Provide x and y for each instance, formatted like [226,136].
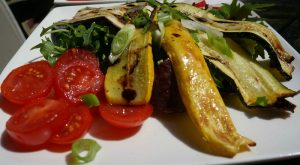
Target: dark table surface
[284,17]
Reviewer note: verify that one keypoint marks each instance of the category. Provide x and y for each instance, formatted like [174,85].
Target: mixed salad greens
[115,60]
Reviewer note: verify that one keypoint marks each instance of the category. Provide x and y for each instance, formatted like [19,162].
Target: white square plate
[162,140]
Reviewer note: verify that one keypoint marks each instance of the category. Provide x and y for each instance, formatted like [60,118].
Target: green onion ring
[85,145]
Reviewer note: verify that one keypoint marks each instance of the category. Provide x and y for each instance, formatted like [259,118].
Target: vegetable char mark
[133,61]
[134,58]
[129,94]
[176,35]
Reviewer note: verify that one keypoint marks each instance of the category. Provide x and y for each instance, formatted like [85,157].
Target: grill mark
[176,35]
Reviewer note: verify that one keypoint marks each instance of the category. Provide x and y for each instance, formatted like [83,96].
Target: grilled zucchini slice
[200,95]
[130,80]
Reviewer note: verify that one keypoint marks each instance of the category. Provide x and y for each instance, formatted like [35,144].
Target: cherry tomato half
[36,122]
[79,123]
[28,82]
[74,77]
[125,116]
[74,54]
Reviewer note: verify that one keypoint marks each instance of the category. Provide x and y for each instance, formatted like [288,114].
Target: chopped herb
[126,18]
[167,9]
[140,21]
[175,14]
[194,34]
[261,101]
[90,100]
[153,3]
[140,18]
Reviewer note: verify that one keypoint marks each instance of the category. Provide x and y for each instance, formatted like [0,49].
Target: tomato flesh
[200,4]
[75,54]
[74,77]
[125,116]
[37,121]
[28,82]
[79,123]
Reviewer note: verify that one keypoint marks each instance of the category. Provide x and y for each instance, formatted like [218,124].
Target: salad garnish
[238,11]
[95,38]
[121,42]
[84,151]
[91,100]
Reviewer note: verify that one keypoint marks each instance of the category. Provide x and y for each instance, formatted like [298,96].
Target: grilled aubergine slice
[252,80]
[244,29]
[114,15]
[200,95]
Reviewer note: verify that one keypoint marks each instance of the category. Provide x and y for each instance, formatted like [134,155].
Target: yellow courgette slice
[200,95]
[130,80]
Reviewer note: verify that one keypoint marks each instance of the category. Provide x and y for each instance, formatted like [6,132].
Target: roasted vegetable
[279,57]
[130,80]
[253,81]
[114,15]
[200,95]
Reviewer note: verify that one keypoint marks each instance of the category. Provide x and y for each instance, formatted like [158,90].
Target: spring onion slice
[192,25]
[121,41]
[161,27]
[164,17]
[88,147]
[90,100]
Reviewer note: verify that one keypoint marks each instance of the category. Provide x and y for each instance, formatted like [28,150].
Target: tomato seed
[67,86]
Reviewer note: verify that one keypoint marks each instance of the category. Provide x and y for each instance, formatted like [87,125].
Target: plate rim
[62,8]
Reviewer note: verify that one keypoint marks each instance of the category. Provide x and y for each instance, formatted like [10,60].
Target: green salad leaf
[95,38]
[236,11]
[167,7]
[50,51]
[219,43]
